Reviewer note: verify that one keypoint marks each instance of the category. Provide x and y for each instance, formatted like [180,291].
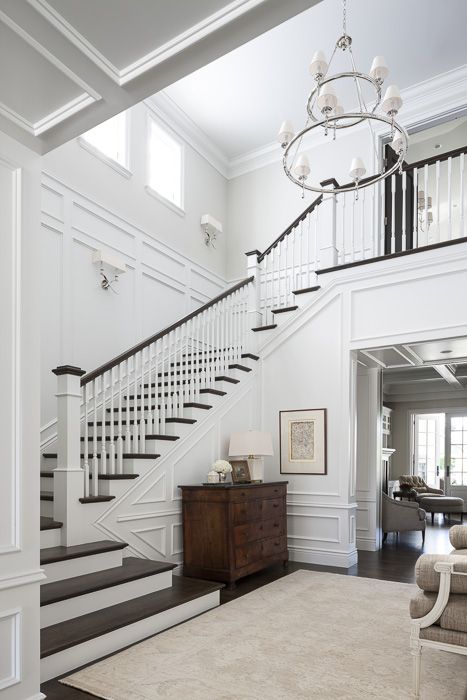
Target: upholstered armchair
[401,516]
[416,483]
[439,610]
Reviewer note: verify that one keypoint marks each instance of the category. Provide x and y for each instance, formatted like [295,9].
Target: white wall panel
[9,648]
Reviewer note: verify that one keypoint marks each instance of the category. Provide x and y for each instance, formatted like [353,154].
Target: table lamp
[254,445]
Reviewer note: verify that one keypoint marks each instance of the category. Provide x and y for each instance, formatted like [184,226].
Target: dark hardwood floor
[394,562]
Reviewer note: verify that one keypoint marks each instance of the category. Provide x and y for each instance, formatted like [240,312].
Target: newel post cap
[68,369]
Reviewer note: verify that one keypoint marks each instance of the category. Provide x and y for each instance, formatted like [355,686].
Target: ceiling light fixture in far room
[445,352]
[325,112]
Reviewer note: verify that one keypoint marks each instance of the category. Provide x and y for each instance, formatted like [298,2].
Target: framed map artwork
[303,441]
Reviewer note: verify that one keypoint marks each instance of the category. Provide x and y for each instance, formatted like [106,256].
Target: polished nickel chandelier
[325,113]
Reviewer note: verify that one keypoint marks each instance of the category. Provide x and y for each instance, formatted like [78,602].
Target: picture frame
[303,441]
[240,472]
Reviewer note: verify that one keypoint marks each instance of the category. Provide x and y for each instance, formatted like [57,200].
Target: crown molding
[424,103]
[176,119]
[175,45]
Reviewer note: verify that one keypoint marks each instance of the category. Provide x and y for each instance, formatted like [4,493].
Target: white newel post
[254,289]
[68,475]
[328,229]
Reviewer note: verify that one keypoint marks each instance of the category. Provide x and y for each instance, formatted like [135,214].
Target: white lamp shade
[253,442]
[286,132]
[338,110]
[379,70]
[327,97]
[421,196]
[318,65]
[392,101]
[357,169]
[397,144]
[302,166]
[430,217]
[429,203]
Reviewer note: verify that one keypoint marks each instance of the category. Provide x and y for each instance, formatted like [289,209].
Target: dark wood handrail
[290,228]
[434,159]
[144,343]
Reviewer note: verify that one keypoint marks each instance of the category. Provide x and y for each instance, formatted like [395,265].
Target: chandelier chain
[344,16]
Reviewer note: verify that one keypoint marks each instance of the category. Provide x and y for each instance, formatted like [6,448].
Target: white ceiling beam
[448,375]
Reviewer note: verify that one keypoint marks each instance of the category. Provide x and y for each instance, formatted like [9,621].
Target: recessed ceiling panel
[441,350]
[124,31]
[30,84]
[388,357]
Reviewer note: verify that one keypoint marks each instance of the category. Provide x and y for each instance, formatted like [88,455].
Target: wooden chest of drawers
[232,530]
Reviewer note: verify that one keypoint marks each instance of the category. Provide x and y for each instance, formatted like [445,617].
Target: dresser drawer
[258,530]
[273,545]
[250,494]
[272,507]
[247,511]
[254,551]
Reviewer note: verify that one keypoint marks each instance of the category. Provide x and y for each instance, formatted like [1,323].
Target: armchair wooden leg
[416,652]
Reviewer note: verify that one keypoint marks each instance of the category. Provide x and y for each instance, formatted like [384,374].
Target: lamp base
[256,467]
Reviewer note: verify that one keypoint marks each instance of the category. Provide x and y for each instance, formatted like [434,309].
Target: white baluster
[95,458]
[135,447]
[160,401]
[393,213]
[437,202]
[144,402]
[103,431]
[404,204]
[449,198]
[352,230]
[362,221]
[86,442]
[461,196]
[155,402]
[426,202]
[344,201]
[120,430]
[150,411]
[415,208]
[112,451]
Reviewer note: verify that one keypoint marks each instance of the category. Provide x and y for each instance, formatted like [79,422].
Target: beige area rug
[307,635]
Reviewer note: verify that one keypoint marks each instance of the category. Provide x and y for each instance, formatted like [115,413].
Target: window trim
[121,169]
[178,209]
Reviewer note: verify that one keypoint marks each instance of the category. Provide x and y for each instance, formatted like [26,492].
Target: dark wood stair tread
[243,368]
[162,437]
[95,499]
[47,495]
[284,310]
[47,473]
[126,455]
[50,523]
[249,355]
[132,568]
[51,555]
[215,392]
[194,404]
[270,327]
[230,380]
[140,455]
[81,629]
[184,421]
[307,289]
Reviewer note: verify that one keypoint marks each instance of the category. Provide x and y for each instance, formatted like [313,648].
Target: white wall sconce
[211,228]
[110,267]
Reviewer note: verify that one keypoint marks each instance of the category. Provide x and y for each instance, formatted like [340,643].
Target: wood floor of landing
[395,562]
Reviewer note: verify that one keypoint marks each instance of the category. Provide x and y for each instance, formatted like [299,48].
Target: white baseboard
[326,558]
[38,696]
[367,544]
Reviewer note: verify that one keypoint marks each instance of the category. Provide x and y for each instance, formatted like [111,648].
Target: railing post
[254,289]
[68,475]
[327,233]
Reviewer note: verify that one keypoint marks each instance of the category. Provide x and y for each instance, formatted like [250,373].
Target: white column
[327,232]
[68,475]
[254,289]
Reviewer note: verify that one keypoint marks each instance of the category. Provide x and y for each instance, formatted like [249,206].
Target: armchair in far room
[401,516]
[416,483]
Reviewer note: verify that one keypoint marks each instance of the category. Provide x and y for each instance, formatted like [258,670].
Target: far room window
[165,161]
[110,138]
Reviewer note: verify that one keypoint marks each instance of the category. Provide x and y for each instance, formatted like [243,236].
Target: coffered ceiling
[67,65]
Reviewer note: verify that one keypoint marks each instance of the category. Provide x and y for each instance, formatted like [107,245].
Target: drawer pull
[276,524]
[275,505]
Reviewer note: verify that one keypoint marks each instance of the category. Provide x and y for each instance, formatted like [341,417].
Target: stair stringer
[132,518]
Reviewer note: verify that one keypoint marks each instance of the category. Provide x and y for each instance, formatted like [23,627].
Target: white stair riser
[90,602]
[94,649]
[304,299]
[82,565]
[114,487]
[264,336]
[180,429]
[51,538]
[47,509]
[141,466]
[157,447]
[285,317]
[197,413]
[225,386]
[47,483]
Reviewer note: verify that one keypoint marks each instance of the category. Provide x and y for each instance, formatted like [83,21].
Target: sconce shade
[286,132]
[379,70]
[326,97]
[318,65]
[392,101]
[302,166]
[252,442]
[357,169]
